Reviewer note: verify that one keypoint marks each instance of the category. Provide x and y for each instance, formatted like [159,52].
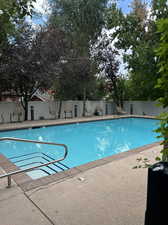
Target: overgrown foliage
[136,34]
[11,12]
[162,53]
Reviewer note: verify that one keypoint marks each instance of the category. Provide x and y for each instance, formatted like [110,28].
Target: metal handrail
[8,175]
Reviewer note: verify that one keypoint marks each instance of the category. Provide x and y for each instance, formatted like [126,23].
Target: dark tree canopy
[32,62]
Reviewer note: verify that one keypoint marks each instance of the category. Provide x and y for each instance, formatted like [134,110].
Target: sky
[42,8]
[125,5]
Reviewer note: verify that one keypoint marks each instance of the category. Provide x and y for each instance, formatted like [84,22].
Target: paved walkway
[112,194]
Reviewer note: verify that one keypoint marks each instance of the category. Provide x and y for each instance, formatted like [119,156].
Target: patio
[113,193]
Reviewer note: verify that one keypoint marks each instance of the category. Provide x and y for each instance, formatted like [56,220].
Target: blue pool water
[86,141]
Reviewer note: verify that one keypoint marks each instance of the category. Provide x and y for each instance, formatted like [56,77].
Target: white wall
[41,110]
[49,110]
[12,112]
[143,108]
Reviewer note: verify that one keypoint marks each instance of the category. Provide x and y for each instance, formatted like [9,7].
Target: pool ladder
[57,167]
[48,159]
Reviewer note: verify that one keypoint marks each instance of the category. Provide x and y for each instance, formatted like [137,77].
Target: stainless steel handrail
[8,175]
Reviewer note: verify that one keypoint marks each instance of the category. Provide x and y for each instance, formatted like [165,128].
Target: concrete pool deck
[110,194]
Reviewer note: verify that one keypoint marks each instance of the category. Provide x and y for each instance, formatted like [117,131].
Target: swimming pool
[86,142]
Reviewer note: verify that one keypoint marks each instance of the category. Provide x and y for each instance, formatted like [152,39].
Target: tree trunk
[26,110]
[116,95]
[24,103]
[121,99]
[84,101]
[59,111]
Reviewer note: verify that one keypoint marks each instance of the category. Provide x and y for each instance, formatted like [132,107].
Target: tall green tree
[73,73]
[82,21]
[137,36]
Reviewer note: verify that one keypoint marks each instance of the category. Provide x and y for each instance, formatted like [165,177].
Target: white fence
[143,108]
[13,112]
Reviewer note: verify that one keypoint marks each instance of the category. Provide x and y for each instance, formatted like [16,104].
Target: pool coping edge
[48,123]
[26,183]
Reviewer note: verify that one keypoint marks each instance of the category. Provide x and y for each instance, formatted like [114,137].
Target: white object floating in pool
[40,138]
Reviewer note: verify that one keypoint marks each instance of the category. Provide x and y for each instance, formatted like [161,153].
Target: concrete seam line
[42,212]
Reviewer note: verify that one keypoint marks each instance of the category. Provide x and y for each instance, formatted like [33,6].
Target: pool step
[35,159]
